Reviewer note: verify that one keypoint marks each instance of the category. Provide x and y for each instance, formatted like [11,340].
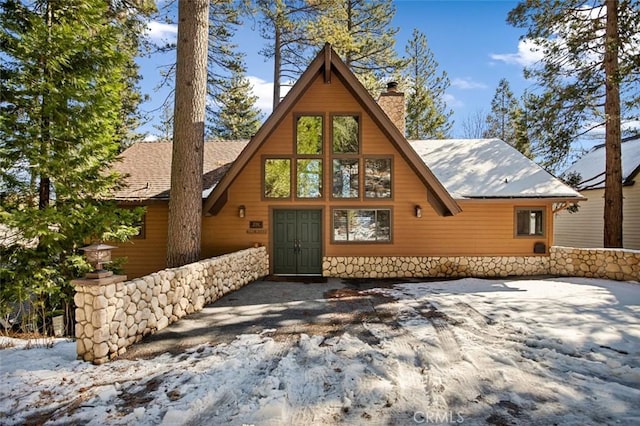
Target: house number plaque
[256,227]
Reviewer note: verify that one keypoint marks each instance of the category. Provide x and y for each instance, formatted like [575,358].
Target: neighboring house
[585,228]
[330,177]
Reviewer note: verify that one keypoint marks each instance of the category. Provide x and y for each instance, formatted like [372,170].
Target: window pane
[309,135]
[277,178]
[345,178]
[345,134]
[309,178]
[529,222]
[378,178]
[340,225]
[383,225]
[362,225]
[536,221]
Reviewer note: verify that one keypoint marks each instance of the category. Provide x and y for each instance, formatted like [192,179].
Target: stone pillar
[94,316]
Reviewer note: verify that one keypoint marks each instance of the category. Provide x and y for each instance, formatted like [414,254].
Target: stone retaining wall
[110,317]
[615,264]
[454,266]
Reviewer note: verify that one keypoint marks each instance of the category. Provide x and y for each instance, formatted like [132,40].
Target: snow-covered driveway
[501,352]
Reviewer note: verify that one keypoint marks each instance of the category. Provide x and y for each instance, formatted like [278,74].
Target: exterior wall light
[97,255]
[418,210]
[242,211]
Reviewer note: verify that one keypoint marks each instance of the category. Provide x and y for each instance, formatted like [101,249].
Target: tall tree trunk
[277,63]
[185,205]
[44,184]
[613,168]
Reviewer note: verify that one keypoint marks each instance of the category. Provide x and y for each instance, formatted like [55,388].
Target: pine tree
[223,57]
[500,119]
[361,33]
[237,116]
[165,124]
[590,64]
[64,78]
[284,24]
[185,203]
[427,114]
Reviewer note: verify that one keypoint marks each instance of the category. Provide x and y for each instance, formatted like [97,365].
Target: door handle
[296,246]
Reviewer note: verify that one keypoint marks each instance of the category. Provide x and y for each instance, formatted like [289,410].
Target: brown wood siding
[585,228]
[483,228]
[147,255]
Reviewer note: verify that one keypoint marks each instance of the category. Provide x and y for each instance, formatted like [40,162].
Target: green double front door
[297,242]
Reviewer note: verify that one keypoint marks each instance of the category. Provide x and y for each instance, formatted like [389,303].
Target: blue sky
[471,41]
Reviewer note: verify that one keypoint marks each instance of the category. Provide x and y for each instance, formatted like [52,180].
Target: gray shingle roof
[147,166]
[468,168]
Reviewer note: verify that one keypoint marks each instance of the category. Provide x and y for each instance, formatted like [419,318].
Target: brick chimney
[392,102]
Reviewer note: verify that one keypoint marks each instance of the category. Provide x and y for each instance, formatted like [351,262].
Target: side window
[345,134]
[277,178]
[142,228]
[529,222]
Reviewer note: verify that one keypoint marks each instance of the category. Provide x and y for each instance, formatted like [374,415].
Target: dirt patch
[341,293]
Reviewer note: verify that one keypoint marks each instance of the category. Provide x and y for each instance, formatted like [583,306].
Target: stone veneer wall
[450,266]
[615,264]
[111,317]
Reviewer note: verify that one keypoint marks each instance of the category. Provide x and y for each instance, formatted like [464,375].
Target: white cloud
[159,31]
[451,101]
[264,91]
[529,53]
[467,83]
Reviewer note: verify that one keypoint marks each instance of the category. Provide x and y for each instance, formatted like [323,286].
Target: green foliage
[309,134]
[225,66]
[62,123]
[573,179]
[361,33]
[345,134]
[507,120]
[571,35]
[236,117]
[427,114]
[284,25]
[277,178]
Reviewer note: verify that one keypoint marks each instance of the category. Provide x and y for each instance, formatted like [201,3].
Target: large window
[345,132]
[362,225]
[277,178]
[529,222]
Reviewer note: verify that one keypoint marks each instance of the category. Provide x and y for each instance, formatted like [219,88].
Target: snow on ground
[554,351]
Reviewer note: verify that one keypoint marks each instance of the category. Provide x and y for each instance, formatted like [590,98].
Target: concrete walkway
[283,308]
